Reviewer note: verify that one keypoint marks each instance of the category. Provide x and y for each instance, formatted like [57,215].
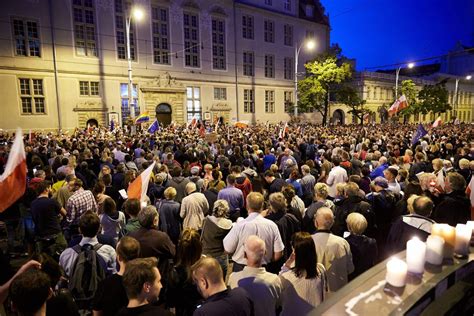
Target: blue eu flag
[420,132]
[154,127]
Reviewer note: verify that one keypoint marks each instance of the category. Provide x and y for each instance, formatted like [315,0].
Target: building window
[218,44]
[288,68]
[249,65]
[89,88]
[191,40]
[220,93]
[84,28]
[288,99]
[247,26]
[161,45]
[269,31]
[121,14]
[269,66]
[27,41]
[288,34]
[249,101]
[287,5]
[193,102]
[124,97]
[269,101]
[32,96]
[268,2]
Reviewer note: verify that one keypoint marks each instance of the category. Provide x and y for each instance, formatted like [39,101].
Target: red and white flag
[138,188]
[284,131]
[437,123]
[399,104]
[13,179]
[193,122]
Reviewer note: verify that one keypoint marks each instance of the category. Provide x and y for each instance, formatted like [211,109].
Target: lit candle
[470,224]
[396,272]
[448,233]
[434,249]
[416,251]
[463,237]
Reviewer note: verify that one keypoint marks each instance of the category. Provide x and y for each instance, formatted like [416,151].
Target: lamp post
[137,14]
[410,65]
[310,45]
[456,88]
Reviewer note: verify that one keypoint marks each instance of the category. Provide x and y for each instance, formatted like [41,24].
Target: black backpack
[87,271]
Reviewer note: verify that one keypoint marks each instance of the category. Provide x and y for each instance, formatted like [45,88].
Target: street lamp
[137,14]
[310,45]
[456,86]
[410,65]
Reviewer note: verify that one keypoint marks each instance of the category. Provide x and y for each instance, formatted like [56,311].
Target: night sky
[382,32]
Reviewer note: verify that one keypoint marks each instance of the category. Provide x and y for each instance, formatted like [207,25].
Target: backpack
[87,271]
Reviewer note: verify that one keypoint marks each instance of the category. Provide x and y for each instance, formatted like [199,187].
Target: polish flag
[284,131]
[437,123]
[402,103]
[138,188]
[13,179]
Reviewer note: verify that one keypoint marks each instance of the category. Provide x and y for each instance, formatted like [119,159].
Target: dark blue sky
[381,32]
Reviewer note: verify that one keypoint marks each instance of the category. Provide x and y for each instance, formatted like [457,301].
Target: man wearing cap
[383,204]
[194,177]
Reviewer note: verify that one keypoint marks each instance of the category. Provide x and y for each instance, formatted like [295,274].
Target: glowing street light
[309,44]
[410,65]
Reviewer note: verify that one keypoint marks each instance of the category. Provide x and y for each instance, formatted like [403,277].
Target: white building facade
[63,63]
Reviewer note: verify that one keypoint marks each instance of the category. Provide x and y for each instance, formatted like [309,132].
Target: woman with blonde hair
[321,192]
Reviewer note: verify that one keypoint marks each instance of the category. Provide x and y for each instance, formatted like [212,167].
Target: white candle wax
[471,225]
[396,272]
[416,251]
[463,237]
[434,249]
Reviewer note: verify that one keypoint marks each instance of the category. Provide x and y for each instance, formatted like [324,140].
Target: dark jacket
[179,183]
[405,228]
[170,221]
[454,208]
[364,253]
[347,206]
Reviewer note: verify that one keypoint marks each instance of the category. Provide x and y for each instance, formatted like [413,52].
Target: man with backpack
[87,263]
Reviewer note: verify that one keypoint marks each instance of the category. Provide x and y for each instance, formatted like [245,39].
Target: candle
[463,237]
[448,233]
[470,224]
[416,251]
[396,272]
[434,249]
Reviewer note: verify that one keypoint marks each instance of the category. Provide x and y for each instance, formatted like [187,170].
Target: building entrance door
[163,114]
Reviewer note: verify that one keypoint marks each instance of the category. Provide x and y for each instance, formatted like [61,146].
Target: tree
[348,95]
[408,89]
[433,98]
[325,71]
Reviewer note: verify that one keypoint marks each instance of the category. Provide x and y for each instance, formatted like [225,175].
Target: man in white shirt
[336,175]
[332,251]
[254,224]
[264,287]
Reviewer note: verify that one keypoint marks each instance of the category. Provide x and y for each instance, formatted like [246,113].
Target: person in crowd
[242,182]
[196,178]
[303,279]
[454,207]
[89,225]
[264,287]
[154,243]
[418,167]
[307,183]
[363,248]
[294,181]
[142,282]
[182,293]
[112,221]
[132,208]
[275,184]
[295,205]
[336,175]
[179,183]
[321,191]
[219,300]
[168,211]
[417,223]
[332,251]
[233,196]
[29,292]
[352,202]
[79,202]
[216,182]
[193,207]
[111,297]
[45,213]
[379,171]
[214,229]
[254,224]
[412,188]
[391,175]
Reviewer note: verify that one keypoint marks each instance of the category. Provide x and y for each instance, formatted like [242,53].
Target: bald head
[254,251]
[324,218]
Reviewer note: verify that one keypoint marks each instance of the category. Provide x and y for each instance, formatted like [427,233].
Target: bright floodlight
[411,65]
[468,77]
[311,44]
[137,13]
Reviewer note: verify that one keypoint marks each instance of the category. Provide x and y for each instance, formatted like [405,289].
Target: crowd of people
[239,221]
